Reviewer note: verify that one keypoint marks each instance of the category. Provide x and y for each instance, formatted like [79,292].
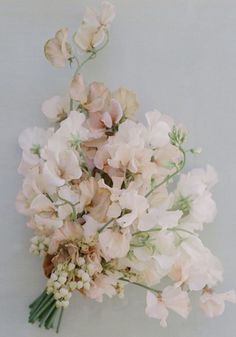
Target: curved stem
[141,285]
[150,230]
[72,206]
[107,224]
[169,177]
[181,230]
[92,55]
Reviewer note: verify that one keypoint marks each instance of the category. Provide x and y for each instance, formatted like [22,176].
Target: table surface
[179,56]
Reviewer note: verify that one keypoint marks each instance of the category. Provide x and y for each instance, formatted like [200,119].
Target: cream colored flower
[104,18]
[57,50]
[89,38]
[100,205]
[171,298]
[128,102]
[54,108]
[32,141]
[93,30]
[103,285]
[213,304]
[159,127]
[45,213]
[61,168]
[69,231]
[114,243]
[78,90]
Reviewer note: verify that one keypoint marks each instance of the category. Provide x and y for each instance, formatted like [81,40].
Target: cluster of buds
[58,284]
[39,245]
[68,277]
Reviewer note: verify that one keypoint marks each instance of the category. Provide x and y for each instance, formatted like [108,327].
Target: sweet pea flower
[57,50]
[104,111]
[89,38]
[170,298]
[126,149]
[161,217]
[159,127]
[93,30]
[128,102]
[45,212]
[78,89]
[61,168]
[135,205]
[91,226]
[213,304]
[104,18]
[114,244]
[195,265]
[26,196]
[71,133]
[54,108]
[69,231]
[32,141]
[103,285]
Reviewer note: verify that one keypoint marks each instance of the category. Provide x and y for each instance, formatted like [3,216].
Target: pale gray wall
[179,56]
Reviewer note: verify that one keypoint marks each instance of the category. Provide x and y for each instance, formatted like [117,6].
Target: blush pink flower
[171,298]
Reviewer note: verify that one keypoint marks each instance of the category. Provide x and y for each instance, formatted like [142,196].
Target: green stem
[51,318]
[42,308]
[150,230]
[93,54]
[59,320]
[38,300]
[181,230]
[141,285]
[105,226]
[36,309]
[169,177]
[45,316]
[175,229]
[74,214]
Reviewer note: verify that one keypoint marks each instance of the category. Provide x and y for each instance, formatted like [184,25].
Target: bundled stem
[45,311]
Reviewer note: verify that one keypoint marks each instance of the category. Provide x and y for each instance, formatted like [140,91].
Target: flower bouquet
[96,190]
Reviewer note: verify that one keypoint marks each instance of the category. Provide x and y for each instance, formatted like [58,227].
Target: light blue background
[179,56]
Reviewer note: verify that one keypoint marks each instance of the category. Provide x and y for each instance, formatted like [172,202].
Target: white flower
[126,149]
[196,182]
[171,298]
[104,18]
[195,265]
[30,190]
[114,244]
[65,209]
[32,140]
[213,304]
[61,169]
[78,90]
[45,212]
[89,38]
[194,196]
[57,50]
[71,133]
[103,285]
[54,108]
[135,205]
[160,217]
[159,127]
[93,30]
[91,226]
[128,101]
[203,208]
